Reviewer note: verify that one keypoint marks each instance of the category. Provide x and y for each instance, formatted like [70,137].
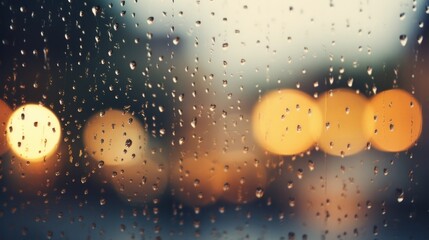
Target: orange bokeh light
[286,122]
[347,122]
[398,120]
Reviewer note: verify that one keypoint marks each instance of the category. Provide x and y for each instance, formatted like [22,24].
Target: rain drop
[403,39]
[133,65]
[259,192]
[150,20]
[176,40]
[400,195]
[96,10]
[100,164]
[128,143]
[194,123]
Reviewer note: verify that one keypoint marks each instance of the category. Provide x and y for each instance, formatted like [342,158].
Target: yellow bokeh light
[5,113]
[33,132]
[286,122]
[114,137]
[347,124]
[398,120]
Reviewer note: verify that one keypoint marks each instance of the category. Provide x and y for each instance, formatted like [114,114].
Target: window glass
[164,119]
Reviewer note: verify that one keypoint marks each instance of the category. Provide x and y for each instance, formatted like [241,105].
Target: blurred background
[214,119]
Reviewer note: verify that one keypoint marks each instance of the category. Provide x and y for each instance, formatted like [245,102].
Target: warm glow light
[5,112]
[31,178]
[333,205]
[347,124]
[197,181]
[138,183]
[398,120]
[286,122]
[114,137]
[33,132]
[245,177]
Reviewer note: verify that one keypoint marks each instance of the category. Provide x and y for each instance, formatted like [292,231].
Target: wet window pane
[163,119]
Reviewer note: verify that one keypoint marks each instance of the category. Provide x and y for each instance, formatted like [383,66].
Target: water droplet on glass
[133,65]
[128,143]
[369,70]
[291,202]
[226,186]
[300,173]
[100,164]
[150,20]
[224,83]
[403,39]
[212,107]
[420,39]
[350,82]
[176,40]
[96,10]
[259,192]
[83,180]
[347,110]
[310,165]
[400,195]
[194,123]
[196,182]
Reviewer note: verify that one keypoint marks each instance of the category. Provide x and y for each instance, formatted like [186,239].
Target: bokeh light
[347,124]
[5,113]
[398,120]
[114,137]
[33,132]
[286,122]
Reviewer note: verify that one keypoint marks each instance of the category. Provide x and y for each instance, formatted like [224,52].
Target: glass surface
[156,119]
